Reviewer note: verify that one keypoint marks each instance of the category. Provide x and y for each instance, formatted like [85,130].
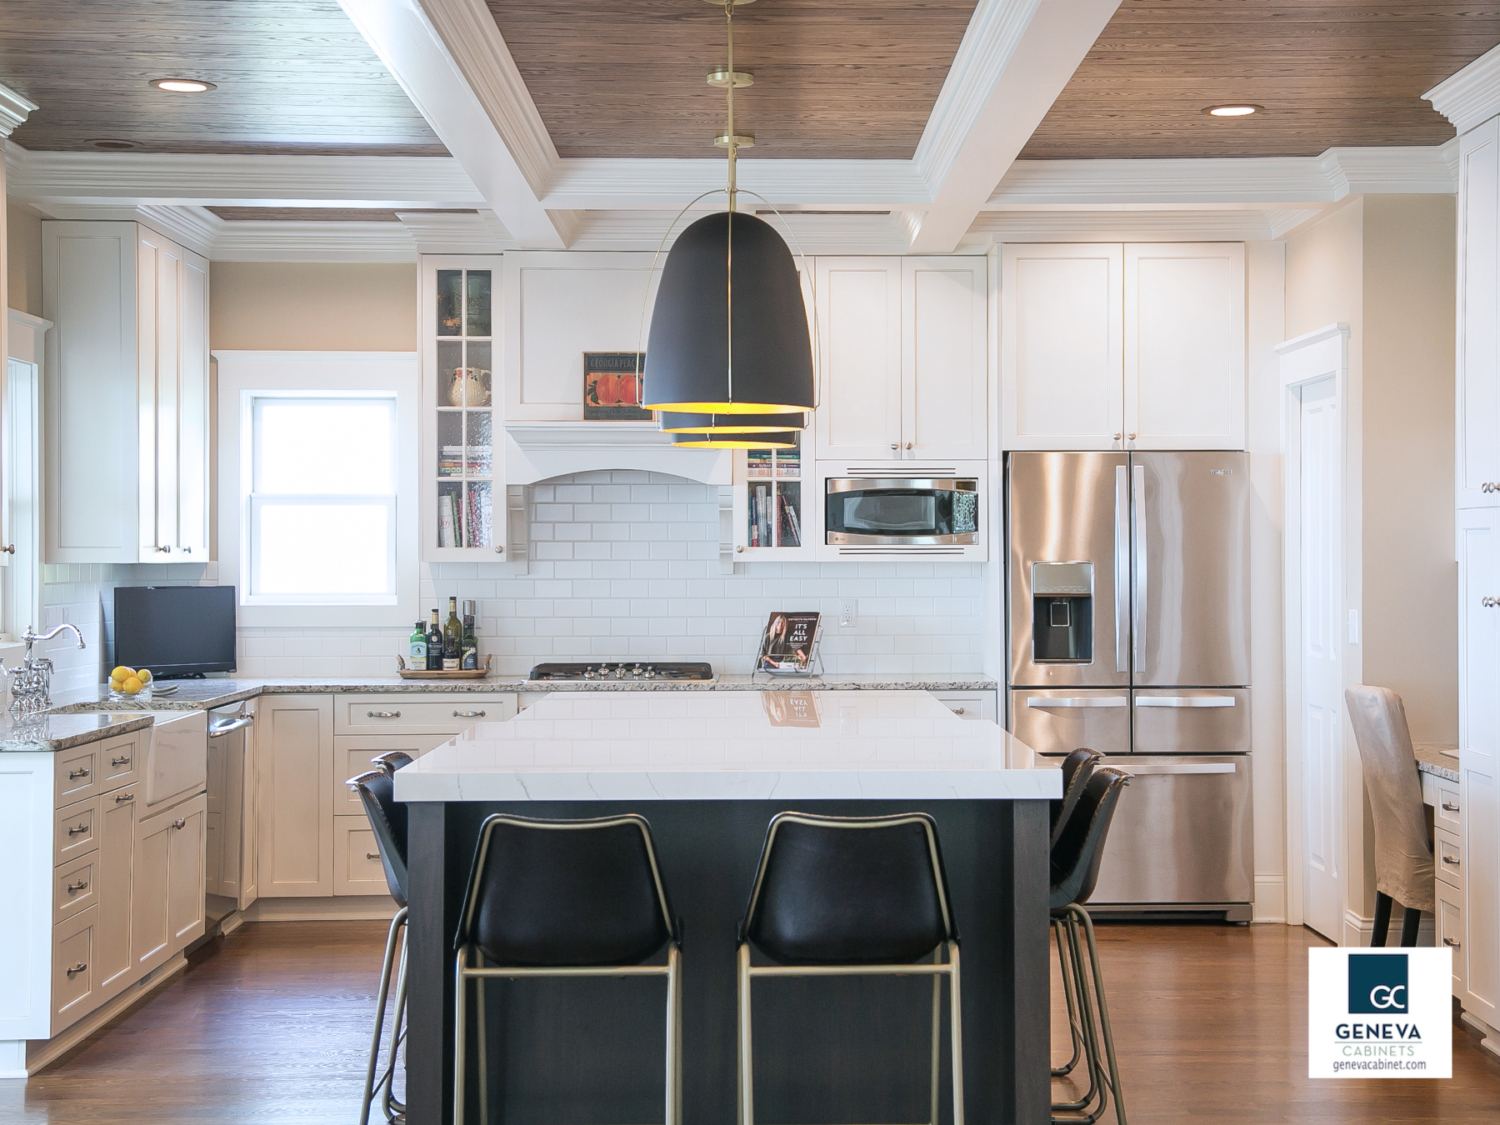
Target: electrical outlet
[846,614]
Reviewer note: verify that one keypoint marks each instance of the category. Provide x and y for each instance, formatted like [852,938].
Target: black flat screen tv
[175,630]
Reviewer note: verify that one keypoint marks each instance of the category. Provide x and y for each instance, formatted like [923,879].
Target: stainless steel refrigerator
[1127,586]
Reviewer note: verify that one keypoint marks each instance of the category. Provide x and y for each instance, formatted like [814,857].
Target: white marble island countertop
[809,745]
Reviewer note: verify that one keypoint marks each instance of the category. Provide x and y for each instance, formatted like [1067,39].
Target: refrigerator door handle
[1184,701]
[1204,767]
[1086,701]
[1138,603]
[1122,570]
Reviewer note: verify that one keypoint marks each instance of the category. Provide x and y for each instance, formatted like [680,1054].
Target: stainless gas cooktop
[624,670]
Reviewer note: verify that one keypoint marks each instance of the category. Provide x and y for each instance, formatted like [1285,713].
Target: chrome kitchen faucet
[31,683]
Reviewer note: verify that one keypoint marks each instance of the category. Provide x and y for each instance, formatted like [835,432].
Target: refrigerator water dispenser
[1062,612]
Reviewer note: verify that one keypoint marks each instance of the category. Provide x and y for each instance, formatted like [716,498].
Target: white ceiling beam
[1472,96]
[467,102]
[1014,61]
[601,183]
[14,109]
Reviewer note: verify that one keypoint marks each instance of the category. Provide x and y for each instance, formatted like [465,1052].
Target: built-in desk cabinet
[1123,346]
[127,403]
[904,350]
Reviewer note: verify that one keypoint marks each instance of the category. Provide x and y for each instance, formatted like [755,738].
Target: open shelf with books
[462,474]
[774,513]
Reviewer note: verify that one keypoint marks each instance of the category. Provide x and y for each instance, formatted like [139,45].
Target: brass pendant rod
[729,97]
[729,248]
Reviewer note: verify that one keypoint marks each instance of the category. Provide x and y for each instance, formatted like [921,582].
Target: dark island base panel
[840,1050]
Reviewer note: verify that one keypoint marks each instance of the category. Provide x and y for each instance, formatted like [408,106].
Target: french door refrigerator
[1127,578]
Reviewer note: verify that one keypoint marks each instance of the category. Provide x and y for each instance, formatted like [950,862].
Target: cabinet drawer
[1449,931]
[121,758]
[968,704]
[75,830]
[77,774]
[356,860]
[352,754]
[73,889]
[1448,858]
[1447,812]
[445,714]
[74,988]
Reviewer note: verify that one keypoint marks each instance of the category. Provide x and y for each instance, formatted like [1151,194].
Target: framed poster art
[612,389]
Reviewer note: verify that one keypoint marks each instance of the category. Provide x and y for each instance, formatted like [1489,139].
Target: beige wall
[1410,577]
[285,306]
[23,267]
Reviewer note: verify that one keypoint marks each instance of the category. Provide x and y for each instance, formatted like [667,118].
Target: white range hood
[537,451]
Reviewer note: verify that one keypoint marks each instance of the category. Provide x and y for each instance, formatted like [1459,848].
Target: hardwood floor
[271,1025]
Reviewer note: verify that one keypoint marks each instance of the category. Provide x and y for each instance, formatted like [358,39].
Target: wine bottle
[417,653]
[434,645]
[453,638]
[471,642]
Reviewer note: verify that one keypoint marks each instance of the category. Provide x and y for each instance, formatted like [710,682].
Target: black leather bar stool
[1077,768]
[391,761]
[1075,871]
[387,818]
[565,898]
[852,896]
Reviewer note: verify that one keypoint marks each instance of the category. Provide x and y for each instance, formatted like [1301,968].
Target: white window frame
[244,376]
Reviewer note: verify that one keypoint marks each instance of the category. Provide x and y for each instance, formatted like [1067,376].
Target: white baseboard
[1359,930]
[343,908]
[41,1053]
[1491,1037]
[12,1058]
[1270,899]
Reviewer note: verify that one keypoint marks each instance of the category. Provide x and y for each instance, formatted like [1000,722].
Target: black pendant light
[672,423]
[717,440]
[729,334]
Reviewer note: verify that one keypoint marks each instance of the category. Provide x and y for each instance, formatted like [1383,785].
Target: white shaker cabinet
[904,358]
[126,399]
[167,888]
[1479,755]
[1123,346]
[1478,468]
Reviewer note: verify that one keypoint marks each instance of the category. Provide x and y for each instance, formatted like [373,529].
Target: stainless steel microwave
[887,511]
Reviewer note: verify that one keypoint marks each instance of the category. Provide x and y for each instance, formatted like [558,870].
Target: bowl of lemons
[130,683]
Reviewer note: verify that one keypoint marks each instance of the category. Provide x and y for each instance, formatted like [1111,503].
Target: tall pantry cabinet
[1477,953]
[127,402]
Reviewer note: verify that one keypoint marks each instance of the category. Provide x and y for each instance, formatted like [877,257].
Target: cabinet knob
[958,710]
[1116,437]
[372,855]
[739,547]
[163,550]
[499,550]
[180,822]
[186,550]
[1130,436]
[10,549]
[908,445]
[895,445]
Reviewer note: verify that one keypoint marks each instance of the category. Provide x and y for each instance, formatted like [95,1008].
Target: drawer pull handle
[180,822]
[74,888]
[76,831]
[119,761]
[372,855]
[1451,944]
[74,775]
[468,714]
[382,714]
[1451,862]
[122,797]
[1448,806]
[78,968]
[958,710]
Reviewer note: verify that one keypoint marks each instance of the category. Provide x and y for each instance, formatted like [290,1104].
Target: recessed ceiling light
[111,145]
[182,85]
[1242,109]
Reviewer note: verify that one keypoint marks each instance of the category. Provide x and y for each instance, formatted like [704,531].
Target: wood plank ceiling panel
[834,79]
[1328,72]
[293,76]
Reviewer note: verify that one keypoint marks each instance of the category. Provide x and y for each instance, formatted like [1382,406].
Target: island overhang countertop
[810,745]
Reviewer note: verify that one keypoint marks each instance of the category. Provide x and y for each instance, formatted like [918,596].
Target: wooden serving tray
[413,674]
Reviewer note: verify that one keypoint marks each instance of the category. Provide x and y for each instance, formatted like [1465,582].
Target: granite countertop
[49,733]
[808,745]
[1432,759]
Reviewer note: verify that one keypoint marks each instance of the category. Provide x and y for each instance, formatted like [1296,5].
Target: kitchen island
[709,770]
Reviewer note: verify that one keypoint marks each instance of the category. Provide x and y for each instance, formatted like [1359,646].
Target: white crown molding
[14,109]
[127,178]
[805,234]
[472,37]
[1236,225]
[1472,96]
[480,233]
[412,49]
[1338,172]
[195,227]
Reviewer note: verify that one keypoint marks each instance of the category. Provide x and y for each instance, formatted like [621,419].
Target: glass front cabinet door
[463,470]
[774,505]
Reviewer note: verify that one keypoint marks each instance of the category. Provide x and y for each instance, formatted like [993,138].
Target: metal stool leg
[385,989]
[1113,1077]
[395,1110]
[956,1033]
[483,1016]
[1088,1033]
[1075,1034]
[674,1036]
[460,1025]
[937,1047]
[746,1067]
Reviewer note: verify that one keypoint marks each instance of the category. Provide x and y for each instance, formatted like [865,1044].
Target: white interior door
[1321,714]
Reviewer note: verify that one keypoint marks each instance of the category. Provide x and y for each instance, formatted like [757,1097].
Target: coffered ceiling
[293,76]
[834,79]
[1330,73]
